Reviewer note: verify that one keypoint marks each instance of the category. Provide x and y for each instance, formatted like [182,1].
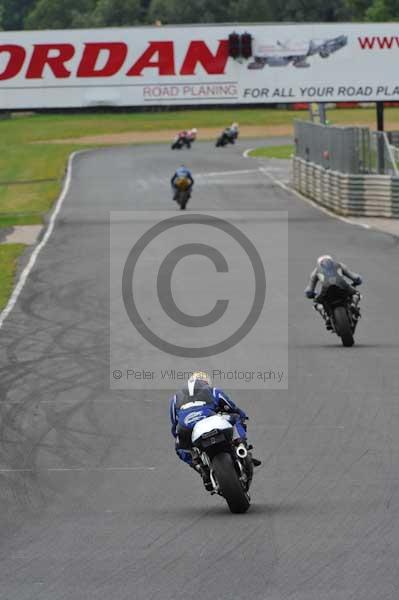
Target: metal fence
[382,155]
[352,150]
[393,137]
[347,194]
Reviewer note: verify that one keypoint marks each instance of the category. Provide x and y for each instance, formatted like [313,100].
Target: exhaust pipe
[241,451]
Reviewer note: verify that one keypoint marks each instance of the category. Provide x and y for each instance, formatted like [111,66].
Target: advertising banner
[139,66]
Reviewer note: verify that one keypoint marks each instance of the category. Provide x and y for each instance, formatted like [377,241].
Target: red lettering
[387,42]
[15,60]
[366,43]
[105,59]
[381,43]
[165,62]
[198,52]
[117,52]
[41,56]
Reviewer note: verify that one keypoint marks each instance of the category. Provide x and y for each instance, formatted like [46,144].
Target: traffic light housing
[246,45]
[234,45]
[240,45]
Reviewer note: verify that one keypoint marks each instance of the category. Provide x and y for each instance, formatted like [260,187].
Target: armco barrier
[346,194]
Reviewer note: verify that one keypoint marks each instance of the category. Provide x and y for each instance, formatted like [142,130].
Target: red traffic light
[246,45]
[234,45]
[240,45]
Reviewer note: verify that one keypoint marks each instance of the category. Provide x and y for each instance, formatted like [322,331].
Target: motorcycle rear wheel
[230,486]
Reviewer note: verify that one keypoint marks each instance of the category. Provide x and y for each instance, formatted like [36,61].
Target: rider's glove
[358,280]
[310,294]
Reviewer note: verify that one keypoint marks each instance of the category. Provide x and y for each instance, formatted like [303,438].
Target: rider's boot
[255,461]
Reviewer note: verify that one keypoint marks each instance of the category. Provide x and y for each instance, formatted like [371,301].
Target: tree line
[66,14]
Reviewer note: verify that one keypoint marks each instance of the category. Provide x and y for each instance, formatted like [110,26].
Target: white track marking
[33,257]
[218,173]
[246,152]
[311,202]
[80,469]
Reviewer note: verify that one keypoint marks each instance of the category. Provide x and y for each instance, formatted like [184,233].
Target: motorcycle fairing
[206,425]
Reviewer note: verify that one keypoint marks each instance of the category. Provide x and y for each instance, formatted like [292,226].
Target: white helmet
[234,126]
[324,257]
[193,130]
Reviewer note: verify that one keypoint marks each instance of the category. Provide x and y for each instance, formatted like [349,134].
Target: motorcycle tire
[229,484]
[343,327]
[182,198]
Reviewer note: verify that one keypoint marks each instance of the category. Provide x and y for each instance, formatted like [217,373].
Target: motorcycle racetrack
[94,503]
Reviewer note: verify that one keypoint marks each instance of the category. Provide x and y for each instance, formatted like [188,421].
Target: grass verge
[30,180]
[9,254]
[35,128]
[273,151]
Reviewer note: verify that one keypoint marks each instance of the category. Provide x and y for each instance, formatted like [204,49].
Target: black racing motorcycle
[341,308]
[226,460]
[226,137]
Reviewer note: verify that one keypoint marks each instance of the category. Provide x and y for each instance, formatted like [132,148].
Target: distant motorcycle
[182,192]
[227,460]
[343,310]
[180,140]
[228,136]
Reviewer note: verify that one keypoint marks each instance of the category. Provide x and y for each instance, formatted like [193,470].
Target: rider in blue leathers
[180,173]
[196,401]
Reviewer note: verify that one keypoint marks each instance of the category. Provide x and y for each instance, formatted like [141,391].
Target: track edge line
[39,247]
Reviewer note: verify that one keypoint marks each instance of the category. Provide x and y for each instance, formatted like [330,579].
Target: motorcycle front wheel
[343,327]
[182,199]
[230,486]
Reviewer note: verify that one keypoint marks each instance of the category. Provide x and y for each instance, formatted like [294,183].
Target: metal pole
[322,113]
[380,116]
[380,137]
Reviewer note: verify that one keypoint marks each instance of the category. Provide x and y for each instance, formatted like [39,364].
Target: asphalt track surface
[93,502]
